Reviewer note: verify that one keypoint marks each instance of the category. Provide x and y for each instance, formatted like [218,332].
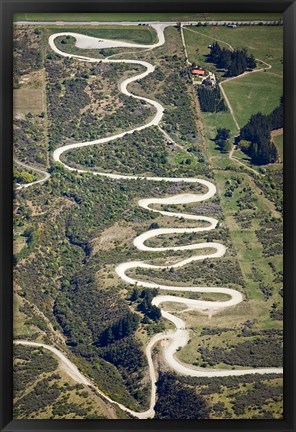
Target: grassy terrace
[139,35]
[265,88]
[266,43]
[262,87]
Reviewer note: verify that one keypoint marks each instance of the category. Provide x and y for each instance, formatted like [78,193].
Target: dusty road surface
[176,338]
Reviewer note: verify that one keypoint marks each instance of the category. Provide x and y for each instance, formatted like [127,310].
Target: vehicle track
[174,339]
[44,179]
[267,67]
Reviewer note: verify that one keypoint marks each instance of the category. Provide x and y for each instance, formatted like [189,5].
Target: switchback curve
[178,338]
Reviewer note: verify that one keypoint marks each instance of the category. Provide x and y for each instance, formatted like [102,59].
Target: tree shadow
[207,59]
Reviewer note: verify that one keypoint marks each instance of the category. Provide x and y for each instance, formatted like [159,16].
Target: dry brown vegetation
[119,233]
[29,98]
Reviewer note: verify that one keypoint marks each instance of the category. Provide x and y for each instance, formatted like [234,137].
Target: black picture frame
[8,8]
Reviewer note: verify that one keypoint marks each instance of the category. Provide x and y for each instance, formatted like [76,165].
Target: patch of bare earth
[277,132]
[29,98]
[120,233]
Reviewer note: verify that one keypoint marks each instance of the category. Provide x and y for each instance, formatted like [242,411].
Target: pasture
[253,93]
[145,16]
[264,42]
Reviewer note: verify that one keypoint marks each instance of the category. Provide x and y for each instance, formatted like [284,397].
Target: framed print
[147,261]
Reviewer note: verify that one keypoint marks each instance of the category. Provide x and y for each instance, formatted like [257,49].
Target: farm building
[198,72]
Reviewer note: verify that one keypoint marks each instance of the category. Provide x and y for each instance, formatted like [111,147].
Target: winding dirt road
[44,173]
[266,67]
[174,339]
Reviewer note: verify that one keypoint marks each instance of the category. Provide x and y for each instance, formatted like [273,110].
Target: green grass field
[257,92]
[249,94]
[264,42]
[140,35]
[144,16]
[197,46]
[213,121]
[278,140]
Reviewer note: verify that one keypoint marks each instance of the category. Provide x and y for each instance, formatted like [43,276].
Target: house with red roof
[198,72]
